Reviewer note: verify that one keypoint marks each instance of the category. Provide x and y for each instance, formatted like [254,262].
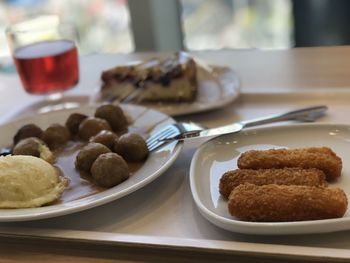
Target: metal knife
[306,114]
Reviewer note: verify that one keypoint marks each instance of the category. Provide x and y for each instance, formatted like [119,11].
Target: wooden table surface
[260,71]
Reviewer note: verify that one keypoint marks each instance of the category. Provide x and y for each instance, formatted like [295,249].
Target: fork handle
[305,114]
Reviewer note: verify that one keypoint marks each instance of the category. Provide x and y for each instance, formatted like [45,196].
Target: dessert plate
[220,154]
[218,86]
[157,163]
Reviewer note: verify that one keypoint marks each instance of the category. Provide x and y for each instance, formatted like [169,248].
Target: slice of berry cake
[173,79]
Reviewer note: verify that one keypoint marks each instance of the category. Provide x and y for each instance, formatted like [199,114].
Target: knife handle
[306,114]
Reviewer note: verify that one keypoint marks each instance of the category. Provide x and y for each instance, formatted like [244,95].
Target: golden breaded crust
[286,176]
[279,203]
[321,158]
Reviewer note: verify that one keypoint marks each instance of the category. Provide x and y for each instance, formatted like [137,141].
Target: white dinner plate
[156,163]
[220,154]
[218,86]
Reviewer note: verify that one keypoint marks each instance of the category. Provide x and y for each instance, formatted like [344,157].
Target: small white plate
[156,164]
[220,154]
[218,86]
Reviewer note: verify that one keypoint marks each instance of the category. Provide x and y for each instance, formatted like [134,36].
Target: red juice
[48,67]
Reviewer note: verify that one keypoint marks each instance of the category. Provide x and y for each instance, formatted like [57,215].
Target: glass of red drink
[46,56]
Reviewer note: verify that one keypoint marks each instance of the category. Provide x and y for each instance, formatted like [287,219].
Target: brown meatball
[88,155]
[132,147]
[105,137]
[114,115]
[92,126]
[74,121]
[28,146]
[55,136]
[34,147]
[109,169]
[26,131]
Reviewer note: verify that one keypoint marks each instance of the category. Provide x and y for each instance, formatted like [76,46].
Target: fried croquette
[279,203]
[286,176]
[321,158]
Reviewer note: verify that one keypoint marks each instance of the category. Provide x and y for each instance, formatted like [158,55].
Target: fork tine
[157,135]
[157,143]
[169,128]
[156,139]
[153,142]
[131,96]
[164,134]
[155,146]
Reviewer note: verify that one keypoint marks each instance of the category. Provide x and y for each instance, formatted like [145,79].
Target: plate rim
[60,211]
[262,228]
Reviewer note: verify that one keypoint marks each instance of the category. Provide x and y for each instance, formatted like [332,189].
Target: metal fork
[180,131]
[154,141]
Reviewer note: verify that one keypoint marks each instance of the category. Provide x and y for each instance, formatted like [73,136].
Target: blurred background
[134,25]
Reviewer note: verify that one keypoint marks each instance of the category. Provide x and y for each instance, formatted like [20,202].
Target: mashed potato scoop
[27,181]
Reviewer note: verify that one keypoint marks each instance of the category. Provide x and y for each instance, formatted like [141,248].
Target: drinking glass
[45,54]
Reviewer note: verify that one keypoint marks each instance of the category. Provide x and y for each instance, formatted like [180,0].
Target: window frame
[156,25]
